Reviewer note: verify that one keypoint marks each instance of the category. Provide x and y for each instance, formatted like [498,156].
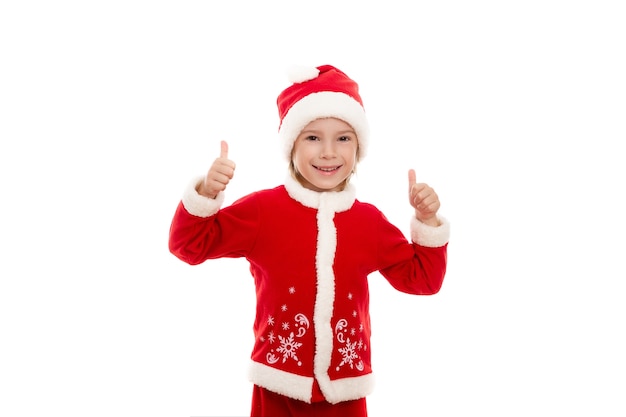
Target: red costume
[310,254]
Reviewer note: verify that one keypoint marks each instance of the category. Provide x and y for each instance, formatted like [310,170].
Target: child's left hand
[424,200]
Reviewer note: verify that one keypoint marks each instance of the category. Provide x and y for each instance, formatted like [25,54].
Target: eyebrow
[342,132]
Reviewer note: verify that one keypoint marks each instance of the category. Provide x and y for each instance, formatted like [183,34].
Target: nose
[328,149]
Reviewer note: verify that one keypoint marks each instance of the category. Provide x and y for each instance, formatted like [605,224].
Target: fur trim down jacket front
[310,254]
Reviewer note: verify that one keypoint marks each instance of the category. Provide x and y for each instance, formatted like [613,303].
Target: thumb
[224,149]
[412,179]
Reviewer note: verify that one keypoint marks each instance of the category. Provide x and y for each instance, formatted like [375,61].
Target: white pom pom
[299,74]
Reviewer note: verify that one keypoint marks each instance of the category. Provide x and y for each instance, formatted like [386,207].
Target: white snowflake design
[348,354]
[288,344]
[288,340]
[288,347]
[349,347]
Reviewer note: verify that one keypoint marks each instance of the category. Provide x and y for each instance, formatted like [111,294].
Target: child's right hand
[219,175]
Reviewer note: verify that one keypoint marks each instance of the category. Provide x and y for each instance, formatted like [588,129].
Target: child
[311,246]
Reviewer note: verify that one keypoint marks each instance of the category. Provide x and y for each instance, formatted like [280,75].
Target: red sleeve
[229,233]
[411,267]
[422,275]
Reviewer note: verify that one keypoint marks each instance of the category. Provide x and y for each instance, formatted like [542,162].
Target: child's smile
[328,170]
[324,154]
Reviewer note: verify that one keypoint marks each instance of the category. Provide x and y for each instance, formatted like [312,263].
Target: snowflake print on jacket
[288,345]
[349,348]
[311,255]
[288,348]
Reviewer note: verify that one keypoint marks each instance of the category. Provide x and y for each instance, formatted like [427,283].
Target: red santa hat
[319,92]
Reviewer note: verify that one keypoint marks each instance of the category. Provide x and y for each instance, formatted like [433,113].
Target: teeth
[326,169]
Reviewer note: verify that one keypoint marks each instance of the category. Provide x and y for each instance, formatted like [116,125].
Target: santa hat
[316,93]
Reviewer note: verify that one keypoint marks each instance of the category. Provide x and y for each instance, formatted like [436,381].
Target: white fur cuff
[199,205]
[430,236]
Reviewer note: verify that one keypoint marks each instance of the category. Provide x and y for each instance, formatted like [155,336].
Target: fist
[424,200]
[219,175]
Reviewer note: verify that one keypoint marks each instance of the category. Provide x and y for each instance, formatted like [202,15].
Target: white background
[513,111]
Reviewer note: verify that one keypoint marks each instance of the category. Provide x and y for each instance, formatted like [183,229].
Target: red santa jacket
[310,254]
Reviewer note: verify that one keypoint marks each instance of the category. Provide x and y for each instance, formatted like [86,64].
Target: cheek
[299,160]
[352,157]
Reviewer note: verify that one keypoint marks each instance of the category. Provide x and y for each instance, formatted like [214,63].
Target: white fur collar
[336,201]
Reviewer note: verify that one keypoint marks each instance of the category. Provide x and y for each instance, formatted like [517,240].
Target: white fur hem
[291,385]
[347,389]
[199,205]
[430,236]
[301,387]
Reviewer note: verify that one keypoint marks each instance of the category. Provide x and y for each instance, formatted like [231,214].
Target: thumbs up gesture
[424,200]
[219,175]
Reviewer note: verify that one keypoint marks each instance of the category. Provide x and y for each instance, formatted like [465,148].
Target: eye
[344,138]
[311,137]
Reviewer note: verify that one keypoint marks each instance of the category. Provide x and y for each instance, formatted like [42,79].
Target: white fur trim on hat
[298,74]
[320,105]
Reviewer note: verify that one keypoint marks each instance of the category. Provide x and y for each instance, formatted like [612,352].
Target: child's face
[325,154]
